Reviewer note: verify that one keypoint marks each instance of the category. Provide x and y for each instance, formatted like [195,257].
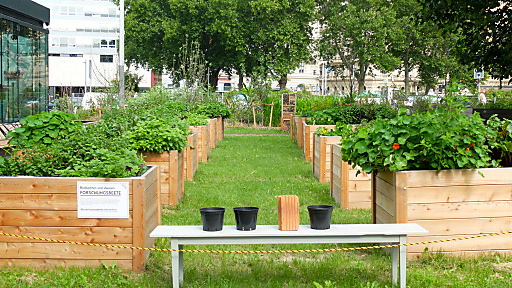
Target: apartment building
[83,40]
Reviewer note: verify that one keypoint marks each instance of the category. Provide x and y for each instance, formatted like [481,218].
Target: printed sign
[103,199]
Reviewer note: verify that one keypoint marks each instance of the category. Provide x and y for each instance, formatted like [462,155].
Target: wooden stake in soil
[288,210]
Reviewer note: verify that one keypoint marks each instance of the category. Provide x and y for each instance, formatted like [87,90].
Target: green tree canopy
[244,35]
[354,37]
[485,29]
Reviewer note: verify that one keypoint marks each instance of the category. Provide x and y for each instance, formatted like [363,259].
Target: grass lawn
[253,171]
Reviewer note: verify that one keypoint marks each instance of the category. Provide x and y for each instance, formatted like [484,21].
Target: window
[104,43]
[107,58]
[301,68]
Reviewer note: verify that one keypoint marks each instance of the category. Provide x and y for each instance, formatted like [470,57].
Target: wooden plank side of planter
[316,155]
[349,190]
[470,205]
[309,132]
[124,264]
[300,131]
[322,156]
[202,142]
[292,126]
[456,177]
[220,129]
[190,155]
[171,175]
[468,247]
[211,134]
[64,224]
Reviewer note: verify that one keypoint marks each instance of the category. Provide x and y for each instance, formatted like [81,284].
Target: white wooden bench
[270,234]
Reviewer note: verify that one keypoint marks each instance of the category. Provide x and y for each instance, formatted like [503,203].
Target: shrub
[439,139]
[155,135]
[214,109]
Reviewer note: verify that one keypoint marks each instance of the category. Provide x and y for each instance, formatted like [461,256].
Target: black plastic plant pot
[213,218]
[320,216]
[246,218]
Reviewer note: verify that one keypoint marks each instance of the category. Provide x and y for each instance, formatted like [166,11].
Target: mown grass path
[253,171]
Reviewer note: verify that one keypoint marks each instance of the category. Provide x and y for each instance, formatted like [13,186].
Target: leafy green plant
[502,140]
[83,153]
[155,135]
[440,139]
[44,128]
[351,114]
[214,109]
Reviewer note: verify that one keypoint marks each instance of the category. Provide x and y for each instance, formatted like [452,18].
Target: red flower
[472,145]
[396,146]
[456,147]
[424,159]
[467,149]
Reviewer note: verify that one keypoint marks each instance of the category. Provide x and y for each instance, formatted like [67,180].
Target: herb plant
[155,135]
[44,128]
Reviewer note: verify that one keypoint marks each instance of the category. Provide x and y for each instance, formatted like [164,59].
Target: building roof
[25,12]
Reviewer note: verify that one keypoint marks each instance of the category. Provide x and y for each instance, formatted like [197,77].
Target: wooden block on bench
[288,210]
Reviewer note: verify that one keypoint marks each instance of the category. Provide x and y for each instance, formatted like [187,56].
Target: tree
[156,30]
[242,35]
[485,29]
[354,37]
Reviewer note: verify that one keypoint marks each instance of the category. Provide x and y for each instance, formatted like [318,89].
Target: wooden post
[254,115]
[271,112]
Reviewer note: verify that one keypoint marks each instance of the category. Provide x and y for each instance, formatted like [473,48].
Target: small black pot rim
[246,209]
[212,209]
[320,207]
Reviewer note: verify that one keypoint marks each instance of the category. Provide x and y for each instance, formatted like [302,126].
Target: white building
[83,46]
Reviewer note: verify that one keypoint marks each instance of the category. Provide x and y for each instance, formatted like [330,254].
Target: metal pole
[85,77]
[121,54]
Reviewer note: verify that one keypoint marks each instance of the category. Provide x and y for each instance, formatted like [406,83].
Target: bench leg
[394,264]
[177,265]
[403,261]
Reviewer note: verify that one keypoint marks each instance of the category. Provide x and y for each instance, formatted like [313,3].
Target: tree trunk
[214,78]
[360,80]
[407,89]
[240,82]
[283,81]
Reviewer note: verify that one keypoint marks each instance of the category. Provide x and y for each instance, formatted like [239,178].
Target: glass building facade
[23,59]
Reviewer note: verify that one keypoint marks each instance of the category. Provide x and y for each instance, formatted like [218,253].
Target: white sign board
[478,74]
[103,199]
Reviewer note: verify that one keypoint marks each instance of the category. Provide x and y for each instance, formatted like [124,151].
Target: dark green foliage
[436,139]
[351,114]
[84,153]
[214,109]
[44,128]
[155,135]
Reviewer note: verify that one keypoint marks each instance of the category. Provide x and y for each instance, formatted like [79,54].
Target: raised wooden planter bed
[349,190]
[309,132]
[322,156]
[172,176]
[300,130]
[46,207]
[190,157]
[212,138]
[293,129]
[220,129]
[449,204]
[202,141]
